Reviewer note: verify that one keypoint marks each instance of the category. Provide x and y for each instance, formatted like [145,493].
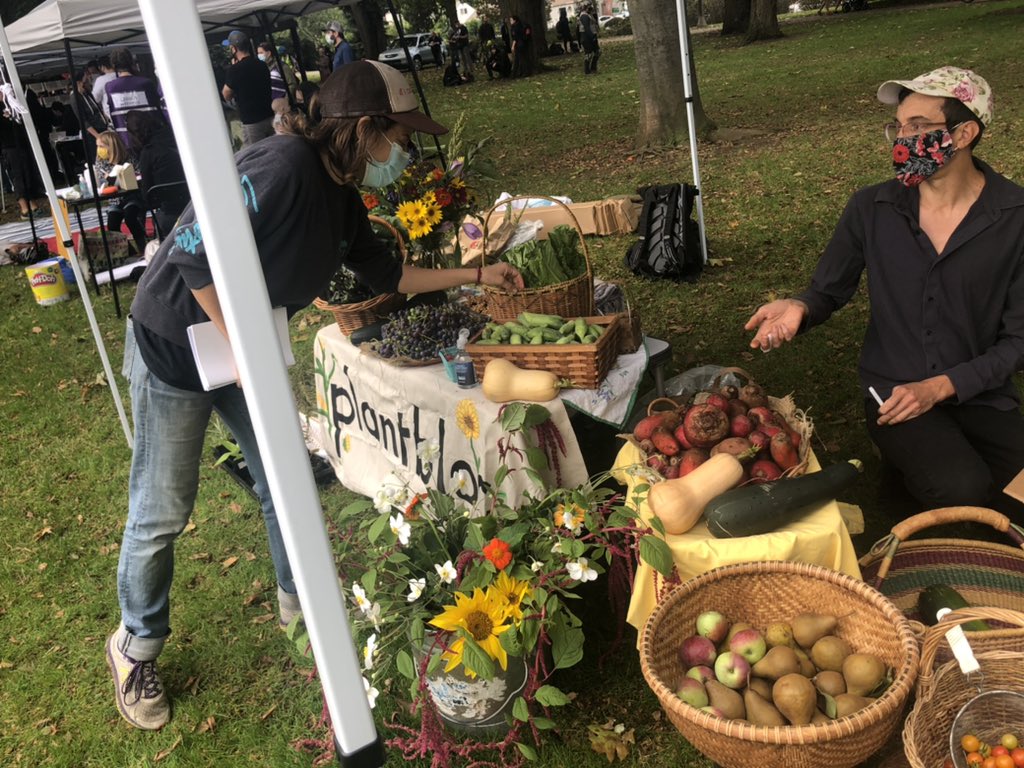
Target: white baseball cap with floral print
[948,82]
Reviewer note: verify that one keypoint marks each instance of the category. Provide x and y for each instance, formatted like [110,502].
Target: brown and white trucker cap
[369,88]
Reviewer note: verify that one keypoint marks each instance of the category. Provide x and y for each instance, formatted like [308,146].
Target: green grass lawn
[241,696]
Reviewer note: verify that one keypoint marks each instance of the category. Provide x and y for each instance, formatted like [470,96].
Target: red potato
[783,451]
[646,426]
[764,471]
[664,442]
[739,447]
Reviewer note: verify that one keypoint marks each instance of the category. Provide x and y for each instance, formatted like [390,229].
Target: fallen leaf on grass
[164,753]
[36,329]
[250,556]
[204,556]
[42,566]
[263,619]
[190,526]
[229,562]
[207,725]
[268,713]
[6,665]
[192,685]
[611,740]
[235,507]
[42,533]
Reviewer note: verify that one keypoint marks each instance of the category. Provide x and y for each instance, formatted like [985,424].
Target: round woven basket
[571,298]
[986,574]
[761,593]
[944,690]
[359,314]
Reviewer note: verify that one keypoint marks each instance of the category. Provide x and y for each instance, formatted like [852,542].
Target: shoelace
[143,681]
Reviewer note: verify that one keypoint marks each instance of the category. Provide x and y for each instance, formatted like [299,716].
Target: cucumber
[567,328]
[537,339]
[589,339]
[565,340]
[581,328]
[515,339]
[517,328]
[487,342]
[536,320]
[753,509]
[549,335]
[937,596]
[501,333]
[595,330]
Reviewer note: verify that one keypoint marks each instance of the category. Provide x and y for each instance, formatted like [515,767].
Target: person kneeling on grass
[943,245]
[308,219]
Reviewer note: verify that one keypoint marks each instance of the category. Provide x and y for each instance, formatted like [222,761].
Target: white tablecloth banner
[376,419]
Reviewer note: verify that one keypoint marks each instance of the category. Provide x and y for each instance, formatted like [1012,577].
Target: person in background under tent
[248,83]
[129,91]
[91,118]
[943,247]
[341,50]
[309,221]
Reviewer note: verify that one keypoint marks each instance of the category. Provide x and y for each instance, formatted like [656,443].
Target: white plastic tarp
[114,22]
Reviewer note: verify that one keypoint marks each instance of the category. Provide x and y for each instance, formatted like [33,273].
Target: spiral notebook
[214,358]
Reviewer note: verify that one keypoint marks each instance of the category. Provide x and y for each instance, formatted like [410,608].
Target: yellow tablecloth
[819,538]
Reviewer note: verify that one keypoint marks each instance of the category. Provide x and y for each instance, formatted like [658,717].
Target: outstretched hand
[502,275]
[776,322]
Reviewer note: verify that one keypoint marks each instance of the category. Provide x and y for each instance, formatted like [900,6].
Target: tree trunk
[450,11]
[532,12]
[764,21]
[368,17]
[735,17]
[663,119]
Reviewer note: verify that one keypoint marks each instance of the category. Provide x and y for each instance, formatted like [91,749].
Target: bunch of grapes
[421,332]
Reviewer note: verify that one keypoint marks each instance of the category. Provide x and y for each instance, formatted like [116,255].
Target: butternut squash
[679,503]
[504,382]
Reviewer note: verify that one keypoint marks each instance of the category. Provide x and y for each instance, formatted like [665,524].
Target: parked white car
[419,49]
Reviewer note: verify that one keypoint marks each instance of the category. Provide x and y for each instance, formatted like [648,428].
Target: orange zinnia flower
[499,553]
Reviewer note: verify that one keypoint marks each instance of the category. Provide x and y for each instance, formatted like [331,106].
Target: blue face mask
[380,174]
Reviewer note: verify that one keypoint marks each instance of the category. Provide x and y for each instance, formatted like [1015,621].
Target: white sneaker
[139,693]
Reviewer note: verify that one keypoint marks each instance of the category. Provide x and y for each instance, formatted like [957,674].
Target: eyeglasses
[896,129]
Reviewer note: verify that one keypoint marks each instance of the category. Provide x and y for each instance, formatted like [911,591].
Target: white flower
[537,566]
[395,488]
[371,693]
[416,587]
[400,528]
[359,595]
[556,548]
[461,480]
[382,500]
[373,614]
[620,727]
[446,572]
[580,570]
[369,650]
[428,450]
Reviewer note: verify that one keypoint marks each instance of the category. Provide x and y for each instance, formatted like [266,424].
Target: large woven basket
[986,574]
[352,317]
[943,690]
[571,298]
[761,593]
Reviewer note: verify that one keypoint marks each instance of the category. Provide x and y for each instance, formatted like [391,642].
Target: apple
[739,626]
[732,670]
[713,711]
[701,674]
[692,692]
[749,644]
[697,651]
[712,625]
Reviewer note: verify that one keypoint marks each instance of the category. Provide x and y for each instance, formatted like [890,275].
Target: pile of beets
[734,420]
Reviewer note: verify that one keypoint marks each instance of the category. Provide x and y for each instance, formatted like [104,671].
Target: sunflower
[569,516]
[483,617]
[432,212]
[515,592]
[409,212]
[467,419]
[419,227]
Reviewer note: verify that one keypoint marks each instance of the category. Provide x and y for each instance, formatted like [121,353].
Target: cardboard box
[618,215]
[1016,487]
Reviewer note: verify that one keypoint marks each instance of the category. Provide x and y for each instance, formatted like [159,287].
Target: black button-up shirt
[958,313]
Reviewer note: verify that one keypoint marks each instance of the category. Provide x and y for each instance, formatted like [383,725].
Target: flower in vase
[499,553]
[400,528]
[515,592]
[416,587]
[580,570]
[482,616]
[446,572]
[570,517]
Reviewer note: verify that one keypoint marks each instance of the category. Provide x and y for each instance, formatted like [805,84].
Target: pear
[760,711]
[863,672]
[847,704]
[830,652]
[779,633]
[725,700]
[830,682]
[809,628]
[795,697]
[819,717]
[780,660]
[761,687]
[806,665]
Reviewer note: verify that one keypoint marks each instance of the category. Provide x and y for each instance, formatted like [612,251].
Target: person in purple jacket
[129,92]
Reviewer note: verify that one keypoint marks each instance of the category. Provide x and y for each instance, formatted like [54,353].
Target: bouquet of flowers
[429,202]
[438,587]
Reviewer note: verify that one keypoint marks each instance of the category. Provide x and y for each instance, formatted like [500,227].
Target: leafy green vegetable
[548,262]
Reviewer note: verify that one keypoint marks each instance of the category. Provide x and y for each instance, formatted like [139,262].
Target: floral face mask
[915,158]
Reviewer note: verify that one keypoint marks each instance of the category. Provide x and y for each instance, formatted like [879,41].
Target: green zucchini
[754,509]
[938,596]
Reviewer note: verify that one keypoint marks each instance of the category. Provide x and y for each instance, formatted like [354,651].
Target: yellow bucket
[47,282]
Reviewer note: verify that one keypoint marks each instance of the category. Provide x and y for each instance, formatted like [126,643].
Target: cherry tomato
[1004,761]
[1009,741]
[974,758]
[1018,757]
[970,743]
[988,762]
[999,750]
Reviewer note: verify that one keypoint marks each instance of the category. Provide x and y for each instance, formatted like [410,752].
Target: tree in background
[735,17]
[663,119]
[12,10]
[764,21]
[534,13]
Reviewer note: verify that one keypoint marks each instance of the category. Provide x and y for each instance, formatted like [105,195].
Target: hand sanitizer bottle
[465,375]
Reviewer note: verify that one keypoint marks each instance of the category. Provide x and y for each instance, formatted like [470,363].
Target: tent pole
[269,35]
[65,234]
[684,51]
[293,33]
[95,193]
[415,74]
[176,38]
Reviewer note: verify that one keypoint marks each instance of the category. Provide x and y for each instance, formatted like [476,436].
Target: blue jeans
[170,425]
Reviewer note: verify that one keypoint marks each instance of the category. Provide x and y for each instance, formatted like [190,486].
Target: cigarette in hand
[874,394]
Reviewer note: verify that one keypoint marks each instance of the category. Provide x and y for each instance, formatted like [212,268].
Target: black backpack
[669,245]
